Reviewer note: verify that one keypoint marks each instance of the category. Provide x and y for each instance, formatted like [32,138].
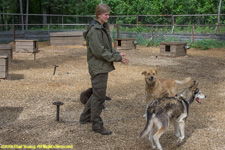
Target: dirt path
[28,116]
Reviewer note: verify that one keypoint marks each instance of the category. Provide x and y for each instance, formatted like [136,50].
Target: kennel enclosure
[173,48]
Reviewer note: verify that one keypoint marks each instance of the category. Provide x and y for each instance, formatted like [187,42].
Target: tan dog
[159,88]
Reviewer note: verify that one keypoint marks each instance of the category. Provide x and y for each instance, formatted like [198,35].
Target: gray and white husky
[162,111]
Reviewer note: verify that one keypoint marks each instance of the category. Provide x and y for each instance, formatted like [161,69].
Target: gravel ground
[28,117]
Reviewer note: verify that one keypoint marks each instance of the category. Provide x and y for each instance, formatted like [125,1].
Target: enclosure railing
[17,18]
[117,29]
[151,24]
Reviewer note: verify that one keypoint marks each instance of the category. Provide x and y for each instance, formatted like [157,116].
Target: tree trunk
[44,11]
[2,20]
[21,12]
[77,19]
[49,11]
[218,17]
[5,18]
[27,12]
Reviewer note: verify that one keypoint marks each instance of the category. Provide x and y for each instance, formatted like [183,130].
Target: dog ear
[194,85]
[144,72]
[156,71]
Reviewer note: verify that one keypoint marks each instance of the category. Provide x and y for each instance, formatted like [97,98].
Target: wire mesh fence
[195,19]
[145,28]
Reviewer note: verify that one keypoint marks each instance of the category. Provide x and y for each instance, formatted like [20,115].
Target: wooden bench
[3,67]
[66,38]
[6,50]
[125,44]
[173,48]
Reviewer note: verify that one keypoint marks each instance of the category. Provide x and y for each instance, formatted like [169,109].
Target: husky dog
[161,111]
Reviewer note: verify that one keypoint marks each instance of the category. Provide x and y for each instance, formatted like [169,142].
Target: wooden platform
[125,44]
[173,48]
[66,38]
[6,50]
[3,67]
[26,46]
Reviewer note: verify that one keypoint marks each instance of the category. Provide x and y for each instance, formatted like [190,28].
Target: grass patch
[201,44]
[157,40]
[208,43]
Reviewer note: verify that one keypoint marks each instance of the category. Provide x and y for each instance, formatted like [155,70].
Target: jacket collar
[95,21]
[96,24]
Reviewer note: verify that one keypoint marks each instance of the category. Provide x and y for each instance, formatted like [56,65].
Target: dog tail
[185,81]
[149,123]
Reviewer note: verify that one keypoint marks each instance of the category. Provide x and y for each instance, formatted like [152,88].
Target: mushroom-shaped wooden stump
[58,104]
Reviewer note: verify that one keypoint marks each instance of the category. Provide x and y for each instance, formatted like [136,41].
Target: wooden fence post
[118,33]
[49,30]
[172,24]
[62,23]
[192,34]
[152,36]
[137,20]
[14,34]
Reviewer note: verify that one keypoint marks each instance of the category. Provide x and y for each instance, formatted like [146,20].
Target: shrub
[208,43]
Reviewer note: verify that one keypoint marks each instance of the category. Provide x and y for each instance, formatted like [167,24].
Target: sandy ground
[28,117]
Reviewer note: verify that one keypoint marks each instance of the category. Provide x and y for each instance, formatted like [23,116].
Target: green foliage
[124,7]
[141,40]
[201,44]
[5,4]
[139,29]
[119,7]
[160,38]
[57,6]
[156,40]
[208,43]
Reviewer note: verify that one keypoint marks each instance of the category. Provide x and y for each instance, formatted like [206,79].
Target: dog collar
[184,102]
[180,99]
[152,85]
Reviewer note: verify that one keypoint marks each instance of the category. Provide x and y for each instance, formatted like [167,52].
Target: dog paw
[153,147]
[179,141]
[177,135]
